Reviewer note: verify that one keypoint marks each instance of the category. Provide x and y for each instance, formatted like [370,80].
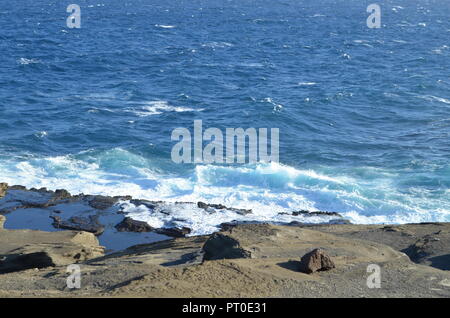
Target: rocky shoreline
[250,259]
[104,216]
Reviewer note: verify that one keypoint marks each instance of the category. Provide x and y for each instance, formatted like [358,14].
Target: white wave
[276,106]
[164,26]
[267,189]
[306,83]
[434,98]
[217,44]
[158,107]
[25,61]
[41,134]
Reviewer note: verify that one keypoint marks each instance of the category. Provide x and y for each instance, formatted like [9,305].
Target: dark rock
[12,263]
[174,232]
[41,190]
[297,223]
[101,202]
[316,260]
[229,225]
[123,197]
[202,205]
[221,246]
[315,213]
[89,224]
[432,250]
[241,211]
[3,188]
[226,226]
[130,225]
[331,222]
[339,221]
[61,194]
[18,187]
[149,204]
[207,206]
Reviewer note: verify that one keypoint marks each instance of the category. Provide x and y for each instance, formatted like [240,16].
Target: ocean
[363,114]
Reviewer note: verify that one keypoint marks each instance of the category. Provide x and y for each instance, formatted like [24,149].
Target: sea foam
[267,189]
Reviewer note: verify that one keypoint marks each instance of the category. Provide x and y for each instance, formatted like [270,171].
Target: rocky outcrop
[87,224]
[101,202]
[266,266]
[26,249]
[315,261]
[213,207]
[147,203]
[174,231]
[18,197]
[130,225]
[433,249]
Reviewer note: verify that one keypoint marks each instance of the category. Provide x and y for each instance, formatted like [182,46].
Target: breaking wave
[365,195]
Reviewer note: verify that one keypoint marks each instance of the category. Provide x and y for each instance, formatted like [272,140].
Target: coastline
[241,260]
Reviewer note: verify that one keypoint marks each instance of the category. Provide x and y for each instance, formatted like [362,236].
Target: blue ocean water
[364,114]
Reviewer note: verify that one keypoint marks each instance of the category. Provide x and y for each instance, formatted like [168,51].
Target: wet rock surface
[101,202]
[213,207]
[130,225]
[315,213]
[88,224]
[64,204]
[174,232]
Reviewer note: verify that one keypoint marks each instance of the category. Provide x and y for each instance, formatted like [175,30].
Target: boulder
[2,221]
[130,225]
[222,246]
[316,260]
